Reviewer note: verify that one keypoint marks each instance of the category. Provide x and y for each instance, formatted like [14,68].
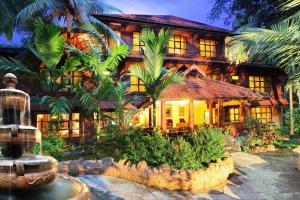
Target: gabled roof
[207,89]
[168,20]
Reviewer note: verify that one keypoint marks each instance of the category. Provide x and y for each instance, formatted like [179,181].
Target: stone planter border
[162,177]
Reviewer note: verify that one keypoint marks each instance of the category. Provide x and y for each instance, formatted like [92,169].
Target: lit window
[69,124]
[207,48]
[137,43]
[213,76]
[75,77]
[177,45]
[263,114]
[260,83]
[136,85]
[235,78]
[233,114]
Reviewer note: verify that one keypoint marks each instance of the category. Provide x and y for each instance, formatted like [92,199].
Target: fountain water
[19,168]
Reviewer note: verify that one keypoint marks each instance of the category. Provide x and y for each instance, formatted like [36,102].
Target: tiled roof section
[207,89]
[168,20]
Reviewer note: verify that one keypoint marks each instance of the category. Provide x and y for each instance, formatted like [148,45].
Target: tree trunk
[298,94]
[97,124]
[291,112]
[154,115]
[68,30]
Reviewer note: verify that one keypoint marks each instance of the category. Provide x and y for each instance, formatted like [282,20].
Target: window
[75,77]
[263,114]
[260,83]
[235,78]
[137,43]
[233,114]
[69,125]
[136,85]
[177,45]
[213,76]
[207,48]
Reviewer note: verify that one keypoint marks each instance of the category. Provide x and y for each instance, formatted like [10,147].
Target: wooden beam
[191,114]
[163,115]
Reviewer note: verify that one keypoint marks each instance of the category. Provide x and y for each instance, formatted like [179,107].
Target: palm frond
[118,53]
[57,105]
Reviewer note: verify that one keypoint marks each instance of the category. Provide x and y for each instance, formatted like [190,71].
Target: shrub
[52,144]
[296,120]
[195,151]
[110,143]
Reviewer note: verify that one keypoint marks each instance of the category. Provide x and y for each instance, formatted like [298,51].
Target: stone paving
[257,177]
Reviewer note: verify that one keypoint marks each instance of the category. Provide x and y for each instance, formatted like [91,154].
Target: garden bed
[162,177]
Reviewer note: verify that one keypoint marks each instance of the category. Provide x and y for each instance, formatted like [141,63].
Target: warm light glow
[235,78]
[260,83]
[207,48]
[180,102]
[177,45]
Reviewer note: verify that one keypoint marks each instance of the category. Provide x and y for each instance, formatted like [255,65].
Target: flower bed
[162,177]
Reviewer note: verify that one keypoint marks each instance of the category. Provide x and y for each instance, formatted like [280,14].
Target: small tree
[153,74]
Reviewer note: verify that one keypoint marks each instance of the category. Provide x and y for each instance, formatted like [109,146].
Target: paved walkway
[257,177]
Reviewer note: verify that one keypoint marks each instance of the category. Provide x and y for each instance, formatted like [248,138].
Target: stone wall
[162,177]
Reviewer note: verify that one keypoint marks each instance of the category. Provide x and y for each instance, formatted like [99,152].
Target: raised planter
[162,177]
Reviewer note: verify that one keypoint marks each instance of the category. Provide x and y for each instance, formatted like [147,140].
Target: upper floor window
[260,83]
[177,45]
[137,44]
[136,85]
[207,48]
[213,76]
[263,114]
[75,77]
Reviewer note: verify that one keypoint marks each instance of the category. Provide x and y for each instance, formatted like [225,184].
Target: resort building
[215,92]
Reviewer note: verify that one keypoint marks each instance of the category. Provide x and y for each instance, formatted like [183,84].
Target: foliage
[74,14]
[110,143]
[297,120]
[153,74]
[196,151]
[52,144]
[258,134]
[288,144]
[254,13]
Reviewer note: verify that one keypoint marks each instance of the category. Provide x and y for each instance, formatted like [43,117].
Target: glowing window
[75,77]
[260,83]
[136,85]
[263,114]
[177,45]
[233,114]
[207,48]
[137,43]
[213,76]
[69,124]
[235,78]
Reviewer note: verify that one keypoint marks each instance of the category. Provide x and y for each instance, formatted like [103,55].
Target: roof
[207,89]
[168,20]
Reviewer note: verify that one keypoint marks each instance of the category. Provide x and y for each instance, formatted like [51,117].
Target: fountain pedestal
[19,167]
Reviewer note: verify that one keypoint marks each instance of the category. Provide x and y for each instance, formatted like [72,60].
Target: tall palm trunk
[98,124]
[298,94]
[291,111]
[154,114]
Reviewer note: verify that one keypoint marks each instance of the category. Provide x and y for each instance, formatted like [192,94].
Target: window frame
[182,49]
[139,45]
[261,113]
[264,85]
[140,84]
[209,48]
[232,111]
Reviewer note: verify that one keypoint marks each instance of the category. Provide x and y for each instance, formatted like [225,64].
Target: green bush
[296,120]
[289,144]
[52,145]
[195,151]
[110,143]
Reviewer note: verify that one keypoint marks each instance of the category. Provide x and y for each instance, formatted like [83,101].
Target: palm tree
[76,14]
[103,88]
[153,74]
[279,45]
[48,46]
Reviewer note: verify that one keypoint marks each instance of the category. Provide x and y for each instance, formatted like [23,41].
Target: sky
[196,10]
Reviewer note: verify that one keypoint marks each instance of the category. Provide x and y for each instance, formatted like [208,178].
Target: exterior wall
[213,65]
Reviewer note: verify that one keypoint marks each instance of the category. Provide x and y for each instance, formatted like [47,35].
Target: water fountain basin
[27,171]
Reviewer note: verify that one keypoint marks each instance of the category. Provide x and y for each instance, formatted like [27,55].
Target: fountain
[20,169]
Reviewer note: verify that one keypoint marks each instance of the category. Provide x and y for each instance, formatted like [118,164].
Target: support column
[191,114]
[221,113]
[163,115]
[210,108]
[242,111]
